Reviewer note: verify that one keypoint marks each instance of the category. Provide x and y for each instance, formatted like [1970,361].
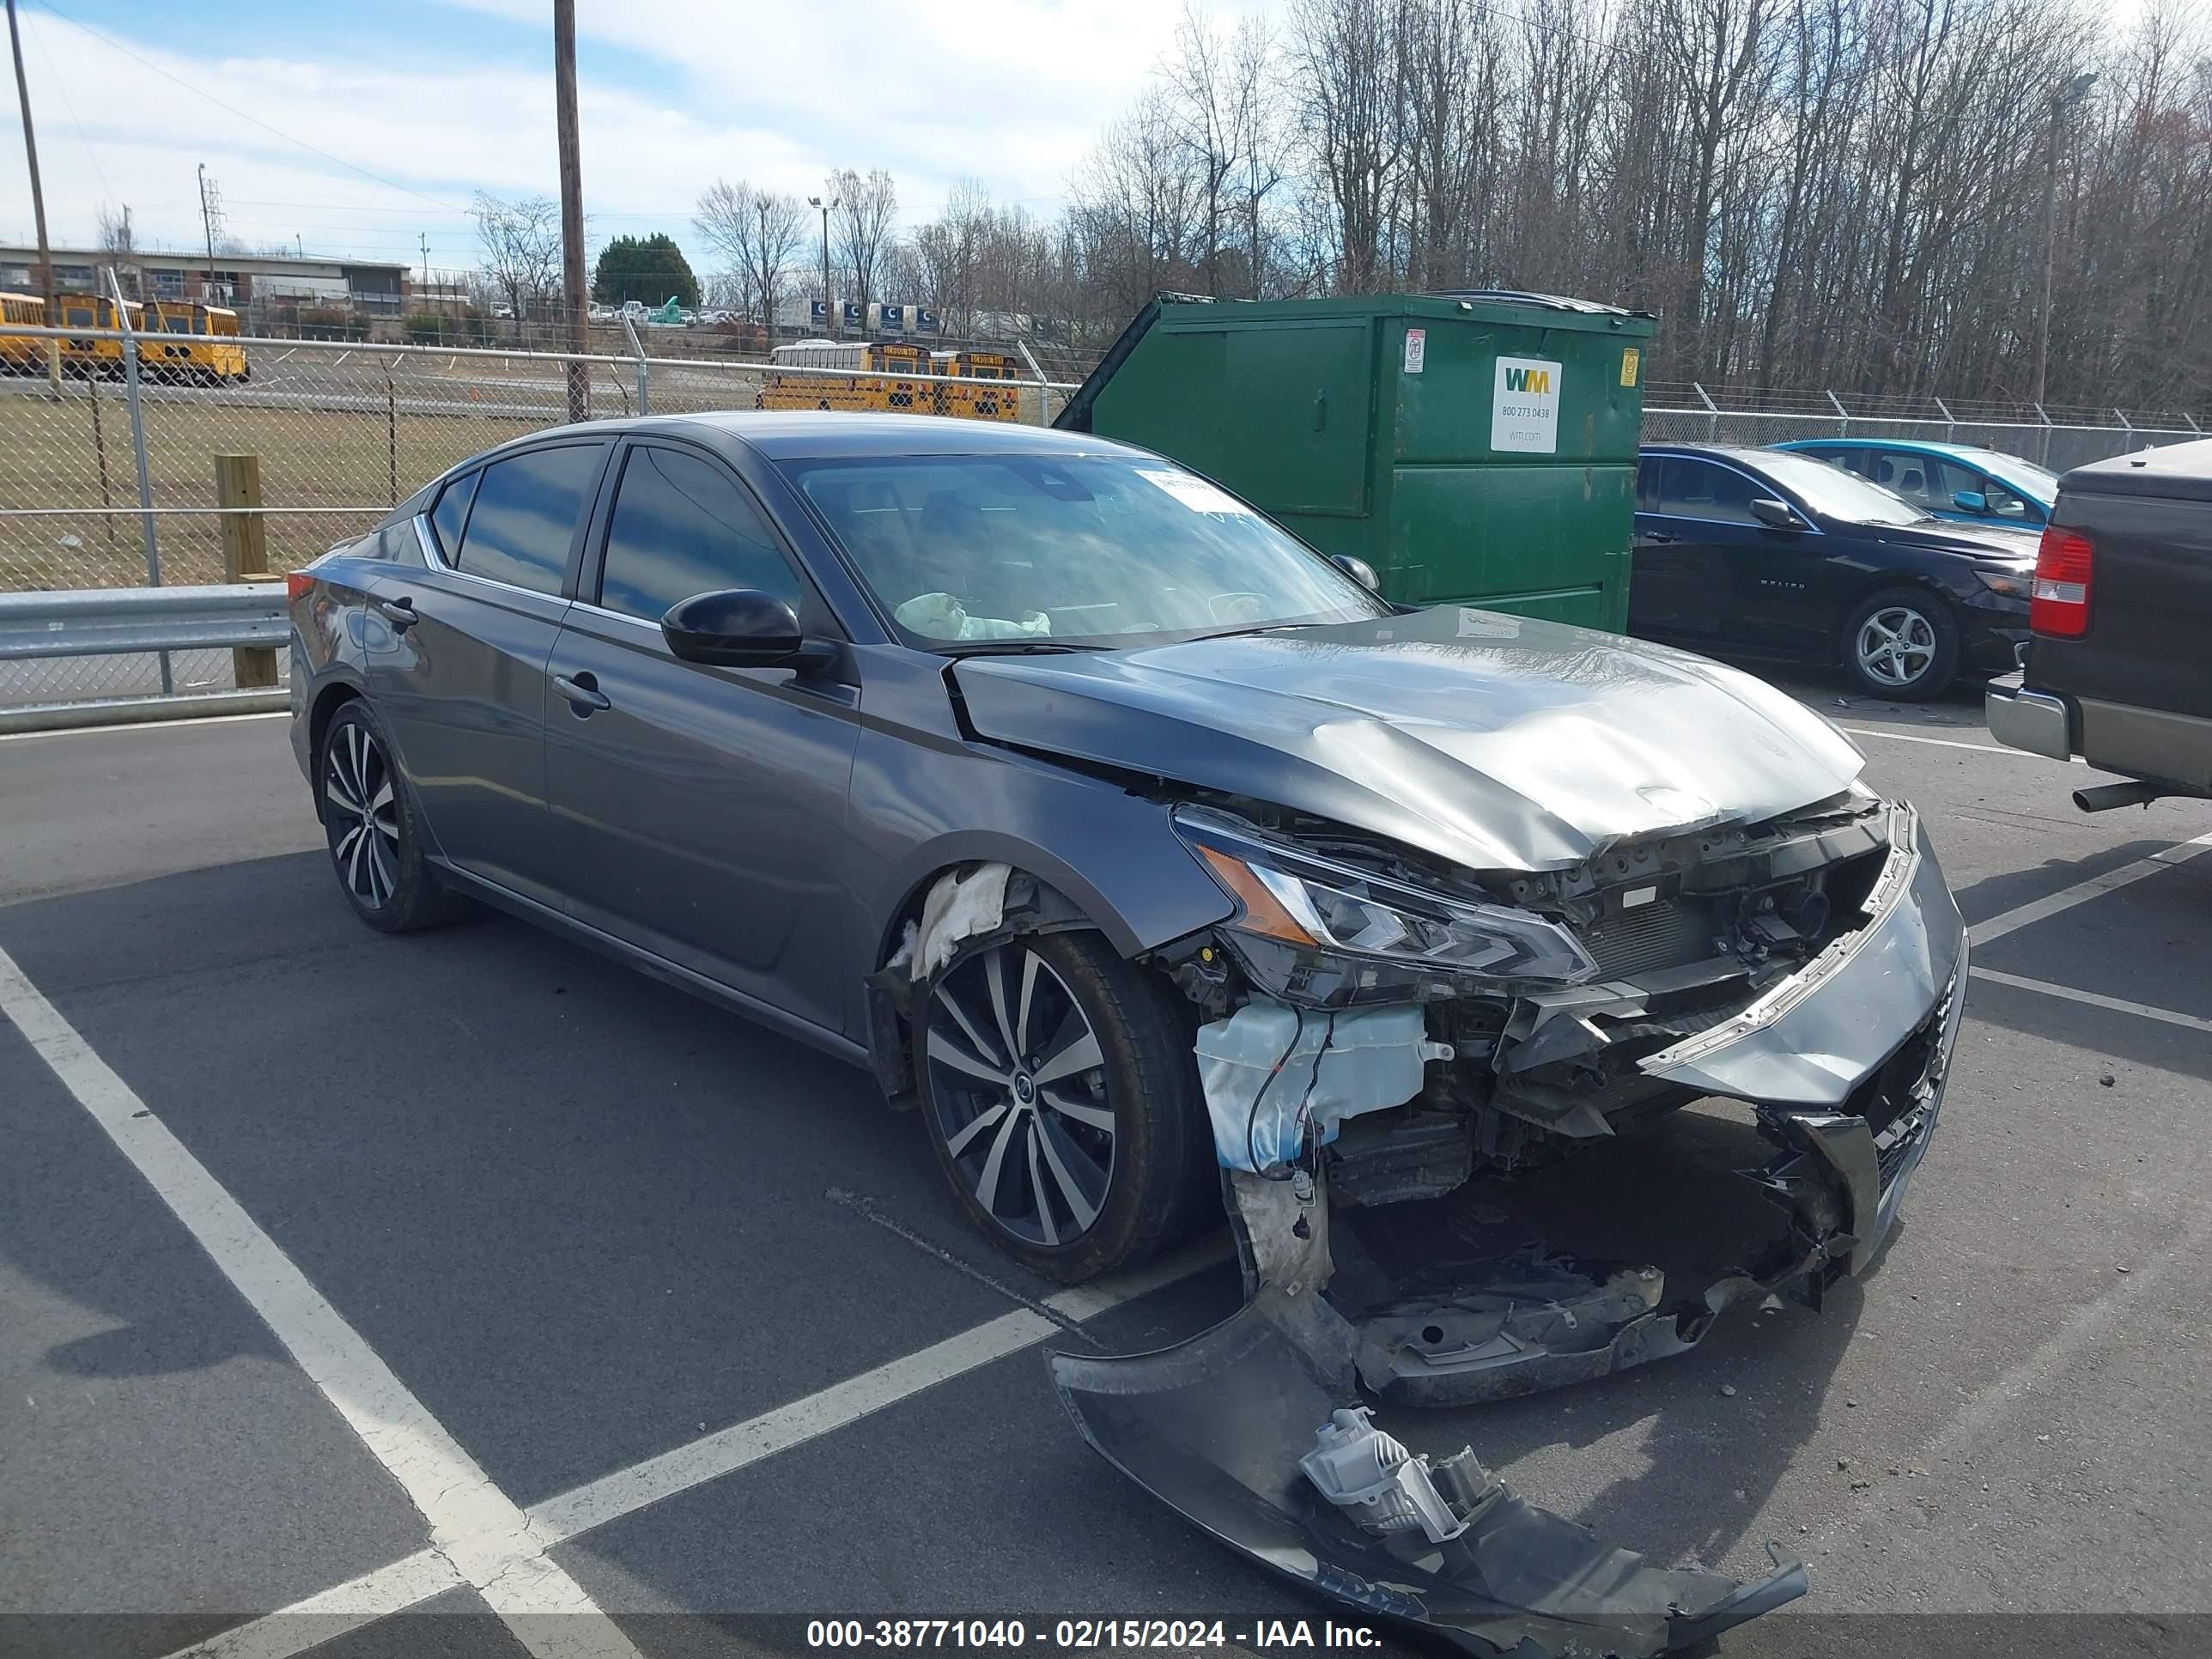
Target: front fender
[1116,857]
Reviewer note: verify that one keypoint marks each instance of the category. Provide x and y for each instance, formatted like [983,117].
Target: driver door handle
[582,692]
[1653,539]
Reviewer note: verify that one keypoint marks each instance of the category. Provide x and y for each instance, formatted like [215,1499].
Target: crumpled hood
[1498,742]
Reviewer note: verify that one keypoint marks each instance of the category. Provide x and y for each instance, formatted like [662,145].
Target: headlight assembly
[1317,904]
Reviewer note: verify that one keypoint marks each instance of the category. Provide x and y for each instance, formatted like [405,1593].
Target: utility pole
[573,296]
[38,209]
[207,219]
[426,267]
[829,305]
[2062,99]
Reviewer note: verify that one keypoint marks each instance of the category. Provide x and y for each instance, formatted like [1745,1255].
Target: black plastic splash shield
[1214,1428]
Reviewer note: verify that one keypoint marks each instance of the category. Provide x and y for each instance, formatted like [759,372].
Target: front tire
[1061,1100]
[1901,643]
[374,829]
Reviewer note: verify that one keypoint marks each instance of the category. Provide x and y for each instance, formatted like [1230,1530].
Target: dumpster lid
[1514,296]
[1075,414]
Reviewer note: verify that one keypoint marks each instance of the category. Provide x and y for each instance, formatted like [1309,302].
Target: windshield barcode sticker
[1194,492]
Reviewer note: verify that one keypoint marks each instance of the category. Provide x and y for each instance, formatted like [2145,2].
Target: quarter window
[451,513]
[525,516]
[681,527]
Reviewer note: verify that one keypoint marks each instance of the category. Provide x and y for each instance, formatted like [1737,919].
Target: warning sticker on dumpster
[1524,416]
[1417,350]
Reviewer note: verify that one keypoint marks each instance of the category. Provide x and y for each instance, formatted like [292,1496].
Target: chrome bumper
[2020,718]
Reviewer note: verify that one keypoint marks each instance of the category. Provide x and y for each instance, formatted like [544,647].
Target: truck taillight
[2060,603]
[297,583]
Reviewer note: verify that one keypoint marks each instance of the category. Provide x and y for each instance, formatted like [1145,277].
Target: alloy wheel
[1017,1091]
[359,794]
[1896,645]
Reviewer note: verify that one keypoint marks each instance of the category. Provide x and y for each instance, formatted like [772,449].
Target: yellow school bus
[205,360]
[22,354]
[89,354]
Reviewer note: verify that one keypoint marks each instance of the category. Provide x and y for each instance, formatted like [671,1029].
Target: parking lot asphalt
[687,1306]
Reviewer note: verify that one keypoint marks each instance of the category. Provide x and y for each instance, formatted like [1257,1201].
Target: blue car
[1946,481]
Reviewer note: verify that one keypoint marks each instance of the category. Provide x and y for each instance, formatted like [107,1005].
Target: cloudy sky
[292,106]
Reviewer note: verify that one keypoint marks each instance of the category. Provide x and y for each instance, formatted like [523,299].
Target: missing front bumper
[1843,1069]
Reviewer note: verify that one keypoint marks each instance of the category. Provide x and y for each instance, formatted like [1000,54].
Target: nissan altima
[1527,995]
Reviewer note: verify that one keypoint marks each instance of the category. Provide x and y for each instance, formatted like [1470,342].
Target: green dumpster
[1478,447]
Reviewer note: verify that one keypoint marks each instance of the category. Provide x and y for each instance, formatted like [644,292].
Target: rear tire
[375,830]
[1901,643]
[1075,1169]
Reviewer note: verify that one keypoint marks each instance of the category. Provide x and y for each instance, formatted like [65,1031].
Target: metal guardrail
[101,621]
[113,622]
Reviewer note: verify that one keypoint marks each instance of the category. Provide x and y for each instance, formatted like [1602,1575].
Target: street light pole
[829,306]
[2062,99]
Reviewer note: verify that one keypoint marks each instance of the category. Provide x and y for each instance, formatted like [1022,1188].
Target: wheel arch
[1879,581]
[329,698]
[1065,898]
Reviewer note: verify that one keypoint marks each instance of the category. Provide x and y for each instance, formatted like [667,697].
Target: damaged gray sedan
[1527,995]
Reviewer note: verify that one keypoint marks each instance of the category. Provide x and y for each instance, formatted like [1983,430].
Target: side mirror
[741,628]
[1970,501]
[1358,570]
[1775,515]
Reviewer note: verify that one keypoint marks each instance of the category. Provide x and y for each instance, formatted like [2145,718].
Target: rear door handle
[399,612]
[582,692]
[1652,538]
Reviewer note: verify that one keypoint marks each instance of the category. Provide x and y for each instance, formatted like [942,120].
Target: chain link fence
[343,430]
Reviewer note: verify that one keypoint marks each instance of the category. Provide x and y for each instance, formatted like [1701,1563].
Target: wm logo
[1529,379]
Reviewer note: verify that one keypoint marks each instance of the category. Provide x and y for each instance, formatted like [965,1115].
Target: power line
[90,154]
[289,139]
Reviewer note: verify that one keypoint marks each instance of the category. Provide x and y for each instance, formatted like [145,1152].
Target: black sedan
[1762,553]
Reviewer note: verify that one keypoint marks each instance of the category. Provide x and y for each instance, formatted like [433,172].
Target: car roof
[1744,454]
[810,434]
[813,433]
[1912,445]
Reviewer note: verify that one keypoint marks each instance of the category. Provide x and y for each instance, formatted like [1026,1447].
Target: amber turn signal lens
[1263,911]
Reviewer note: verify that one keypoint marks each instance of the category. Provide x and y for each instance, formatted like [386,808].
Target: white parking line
[1942,743]
[142,727]
[484,1536]
[2116,1005]
[2025,915]
[406,1583]
[346,1606]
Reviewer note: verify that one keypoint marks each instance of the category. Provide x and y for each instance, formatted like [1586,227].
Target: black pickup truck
[2119,668]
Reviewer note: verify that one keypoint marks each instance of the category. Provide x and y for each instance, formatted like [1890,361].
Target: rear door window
[684,526]
[525,516]
[451,513]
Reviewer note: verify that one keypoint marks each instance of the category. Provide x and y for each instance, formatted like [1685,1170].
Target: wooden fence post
[245,555]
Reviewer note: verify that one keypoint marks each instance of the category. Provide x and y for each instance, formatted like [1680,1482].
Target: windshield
[1837,495]
[1092,549]
[2039,481]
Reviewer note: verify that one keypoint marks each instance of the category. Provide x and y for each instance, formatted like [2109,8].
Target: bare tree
[521,244]
[118,240]
[758,233]
[862,228]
